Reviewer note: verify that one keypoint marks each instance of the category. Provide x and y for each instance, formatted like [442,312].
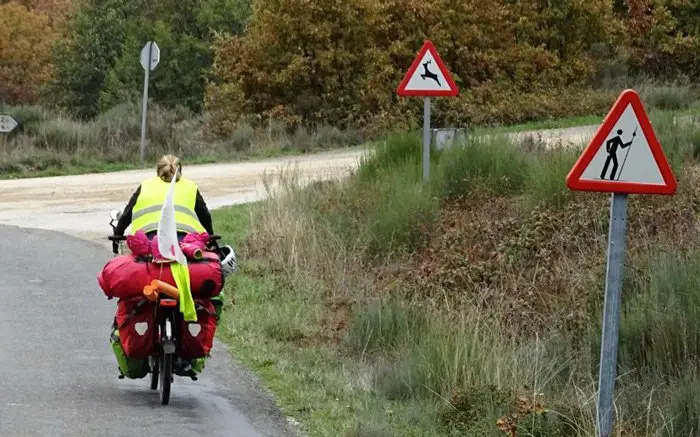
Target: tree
[665,37]
[339,61]
[299,59]
[100,67]
[82,63]
[25,49]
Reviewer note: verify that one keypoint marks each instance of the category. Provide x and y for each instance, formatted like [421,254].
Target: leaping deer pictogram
[429,74]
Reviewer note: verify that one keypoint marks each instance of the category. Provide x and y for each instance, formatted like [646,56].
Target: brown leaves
[25,49]
[523,406]
[338,62]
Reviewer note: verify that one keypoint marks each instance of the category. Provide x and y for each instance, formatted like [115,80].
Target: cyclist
[143,210]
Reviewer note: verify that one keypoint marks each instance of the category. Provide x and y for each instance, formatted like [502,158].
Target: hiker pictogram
[611,147]
[429,74]
[627,128]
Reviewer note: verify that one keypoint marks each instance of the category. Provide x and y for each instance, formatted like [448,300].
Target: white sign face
[154,50]
[625,156]
[7,123]
[428,76]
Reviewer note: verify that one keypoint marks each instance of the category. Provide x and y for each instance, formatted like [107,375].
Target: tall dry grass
[354,240]
[52,142]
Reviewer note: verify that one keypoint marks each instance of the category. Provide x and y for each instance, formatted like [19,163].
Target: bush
[669,97]
[359,51]
[242,136]
[546,176]
[326,137]
[65,135]
[390,153]
[494,164]
[404,213]
[660,327]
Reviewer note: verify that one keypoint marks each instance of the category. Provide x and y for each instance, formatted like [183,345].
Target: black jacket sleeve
[125,219]
[200,208]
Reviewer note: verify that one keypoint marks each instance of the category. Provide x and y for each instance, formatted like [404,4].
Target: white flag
[168,245]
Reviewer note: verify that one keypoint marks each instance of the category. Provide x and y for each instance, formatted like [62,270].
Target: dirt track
[79,205]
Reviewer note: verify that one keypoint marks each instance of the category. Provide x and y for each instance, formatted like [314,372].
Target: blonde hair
[169,166]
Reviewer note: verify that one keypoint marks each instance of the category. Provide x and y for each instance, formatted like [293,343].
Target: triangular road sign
[427,76]
[624,155]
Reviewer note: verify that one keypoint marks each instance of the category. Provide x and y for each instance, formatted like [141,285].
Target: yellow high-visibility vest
[146,213]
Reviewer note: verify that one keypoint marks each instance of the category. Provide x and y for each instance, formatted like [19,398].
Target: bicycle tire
[166,377]
[154,375]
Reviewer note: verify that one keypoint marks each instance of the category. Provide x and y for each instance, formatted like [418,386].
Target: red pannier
[135,320]
[126,275]
[197,338]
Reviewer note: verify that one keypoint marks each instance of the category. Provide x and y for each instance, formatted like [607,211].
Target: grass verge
[381,306]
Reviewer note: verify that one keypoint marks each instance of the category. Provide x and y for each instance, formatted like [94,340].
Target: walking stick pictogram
[622,167]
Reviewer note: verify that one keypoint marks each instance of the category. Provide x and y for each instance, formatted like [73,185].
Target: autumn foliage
[25,46]
[338,62]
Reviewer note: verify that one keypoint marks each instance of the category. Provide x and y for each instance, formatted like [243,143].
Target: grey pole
[426,139]
[145,103]
[611,315]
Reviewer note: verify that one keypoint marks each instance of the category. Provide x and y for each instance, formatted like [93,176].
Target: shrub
[546,176]
[359,47]
[242,136]
[492,163]
[660,327]
[669,97]
[388,154]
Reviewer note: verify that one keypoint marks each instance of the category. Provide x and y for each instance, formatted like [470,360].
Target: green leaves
[100,66]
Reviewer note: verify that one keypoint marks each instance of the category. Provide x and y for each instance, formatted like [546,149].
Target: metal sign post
[649,174]
[426,139]
[150,56]
[611,312]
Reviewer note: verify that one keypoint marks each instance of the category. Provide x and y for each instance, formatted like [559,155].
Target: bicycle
[167,319]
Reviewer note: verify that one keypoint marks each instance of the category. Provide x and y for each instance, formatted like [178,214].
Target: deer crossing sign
[427,76]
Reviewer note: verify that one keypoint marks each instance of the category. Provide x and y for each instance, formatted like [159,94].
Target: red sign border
[402,91]
[573,179]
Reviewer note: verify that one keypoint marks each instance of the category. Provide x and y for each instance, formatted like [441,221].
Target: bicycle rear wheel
[155,375]
[166,377]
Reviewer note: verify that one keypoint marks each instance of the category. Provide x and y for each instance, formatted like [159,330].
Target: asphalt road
[58,374]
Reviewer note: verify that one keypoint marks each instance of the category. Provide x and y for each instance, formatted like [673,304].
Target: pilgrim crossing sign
[624,157]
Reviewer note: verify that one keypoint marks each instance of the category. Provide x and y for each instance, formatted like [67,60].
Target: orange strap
[166,288]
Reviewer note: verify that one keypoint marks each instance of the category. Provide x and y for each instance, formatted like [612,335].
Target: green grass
[329,394]
[494,164]
[352,345]
[382,306]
